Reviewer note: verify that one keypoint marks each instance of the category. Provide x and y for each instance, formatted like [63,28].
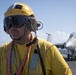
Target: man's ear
[32,24]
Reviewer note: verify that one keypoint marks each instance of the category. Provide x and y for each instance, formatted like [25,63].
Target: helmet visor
[14,21]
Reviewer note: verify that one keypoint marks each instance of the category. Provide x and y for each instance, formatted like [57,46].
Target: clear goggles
[15,21]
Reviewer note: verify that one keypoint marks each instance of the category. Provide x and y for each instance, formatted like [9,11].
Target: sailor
[26,54]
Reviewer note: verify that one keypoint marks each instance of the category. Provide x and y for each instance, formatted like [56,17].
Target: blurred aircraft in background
[70,45]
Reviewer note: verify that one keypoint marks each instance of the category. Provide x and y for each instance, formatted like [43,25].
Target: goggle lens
[14,21]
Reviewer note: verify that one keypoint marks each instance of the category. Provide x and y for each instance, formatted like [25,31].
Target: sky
[58,18]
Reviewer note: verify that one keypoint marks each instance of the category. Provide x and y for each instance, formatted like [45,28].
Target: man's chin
[14,38]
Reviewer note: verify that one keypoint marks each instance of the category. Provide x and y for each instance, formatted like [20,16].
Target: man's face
[16,33]
[15,26]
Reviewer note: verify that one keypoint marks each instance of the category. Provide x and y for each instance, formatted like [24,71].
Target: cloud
[57,37]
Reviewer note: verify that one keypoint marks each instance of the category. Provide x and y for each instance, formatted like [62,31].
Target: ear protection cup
[33,24]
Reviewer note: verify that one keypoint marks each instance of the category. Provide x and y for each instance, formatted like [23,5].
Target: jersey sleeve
[55,63]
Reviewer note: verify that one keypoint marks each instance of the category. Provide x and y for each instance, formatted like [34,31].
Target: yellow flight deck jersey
[53,60]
